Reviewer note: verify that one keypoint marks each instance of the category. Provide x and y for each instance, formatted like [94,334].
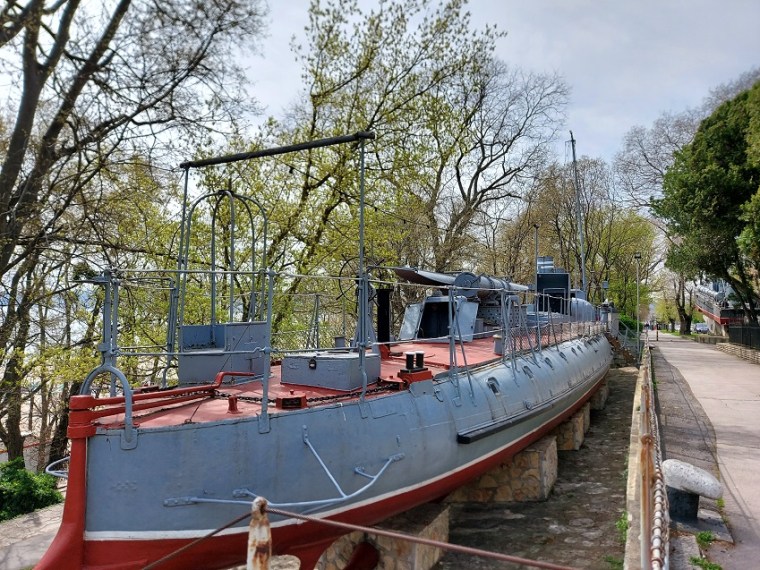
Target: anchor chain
[335,397]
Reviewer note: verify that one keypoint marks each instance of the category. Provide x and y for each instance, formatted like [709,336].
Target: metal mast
[579,216]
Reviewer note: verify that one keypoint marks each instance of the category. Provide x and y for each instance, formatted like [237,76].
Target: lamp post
[535,296]
[637,257]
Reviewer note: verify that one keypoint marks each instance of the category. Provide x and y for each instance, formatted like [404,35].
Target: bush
[630,323]
[22,491]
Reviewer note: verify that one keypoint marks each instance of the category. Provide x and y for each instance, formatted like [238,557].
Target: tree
[647,155]
[683,299]
[749,239]
[705,190]
[488,146]
[95,84]
[456,133]
[612,232]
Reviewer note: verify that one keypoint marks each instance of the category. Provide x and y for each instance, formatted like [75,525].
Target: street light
[637,257]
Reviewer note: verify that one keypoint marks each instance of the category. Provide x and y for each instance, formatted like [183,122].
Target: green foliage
[622,527]
[749,239]
[614,563]
[22,491]
[704,539]
[709,196]
[630,323]
[704,563]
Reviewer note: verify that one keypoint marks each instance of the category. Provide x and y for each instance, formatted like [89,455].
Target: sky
[626,61]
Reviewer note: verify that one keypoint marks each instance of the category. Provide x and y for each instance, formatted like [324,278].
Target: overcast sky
[626,61]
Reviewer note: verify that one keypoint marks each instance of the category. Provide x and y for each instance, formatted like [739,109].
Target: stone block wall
[429,521]
[599,399]
[528,476]
[339,553]
[741,351]
[570,433]
[426,521]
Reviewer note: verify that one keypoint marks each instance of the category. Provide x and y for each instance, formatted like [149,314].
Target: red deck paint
[202,407]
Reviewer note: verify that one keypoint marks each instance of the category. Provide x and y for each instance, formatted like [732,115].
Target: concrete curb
[632,560]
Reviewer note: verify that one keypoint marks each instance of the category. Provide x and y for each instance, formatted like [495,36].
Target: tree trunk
[684,308]
[60,441]
[12,438]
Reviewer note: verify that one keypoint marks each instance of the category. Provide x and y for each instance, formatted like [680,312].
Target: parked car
[701,328]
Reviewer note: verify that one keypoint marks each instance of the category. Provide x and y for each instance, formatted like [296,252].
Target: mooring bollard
[259,537]
[685,483]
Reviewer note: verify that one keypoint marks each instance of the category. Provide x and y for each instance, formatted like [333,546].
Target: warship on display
[366,428]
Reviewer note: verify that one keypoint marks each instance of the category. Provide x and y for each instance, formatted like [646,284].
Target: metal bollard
[259,537]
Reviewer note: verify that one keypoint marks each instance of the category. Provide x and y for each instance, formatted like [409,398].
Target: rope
[369,530]
[424,541]
[190,545]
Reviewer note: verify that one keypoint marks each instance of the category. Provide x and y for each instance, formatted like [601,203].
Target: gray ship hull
[353,461]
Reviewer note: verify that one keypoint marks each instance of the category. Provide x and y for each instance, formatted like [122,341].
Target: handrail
[149,399]
[127,398]
[654,515]
[50,469]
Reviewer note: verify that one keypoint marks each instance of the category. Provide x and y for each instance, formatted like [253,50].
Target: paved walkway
[24,539]
[719,427]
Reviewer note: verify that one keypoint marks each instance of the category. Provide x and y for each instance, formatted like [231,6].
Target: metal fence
[745,335]
[629,341]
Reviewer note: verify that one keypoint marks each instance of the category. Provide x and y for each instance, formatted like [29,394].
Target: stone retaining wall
[570,433]
[429,521]
[741,351]
[527,476]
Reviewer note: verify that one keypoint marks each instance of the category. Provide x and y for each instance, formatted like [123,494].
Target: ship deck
[157,408]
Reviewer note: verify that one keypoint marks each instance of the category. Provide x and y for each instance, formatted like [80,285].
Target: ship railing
[519,337]
[318,329]
[93,408]
[55,470]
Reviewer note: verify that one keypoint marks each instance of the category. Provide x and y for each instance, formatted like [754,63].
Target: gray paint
[128,489]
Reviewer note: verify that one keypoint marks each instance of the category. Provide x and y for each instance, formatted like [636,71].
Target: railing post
[259,537]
